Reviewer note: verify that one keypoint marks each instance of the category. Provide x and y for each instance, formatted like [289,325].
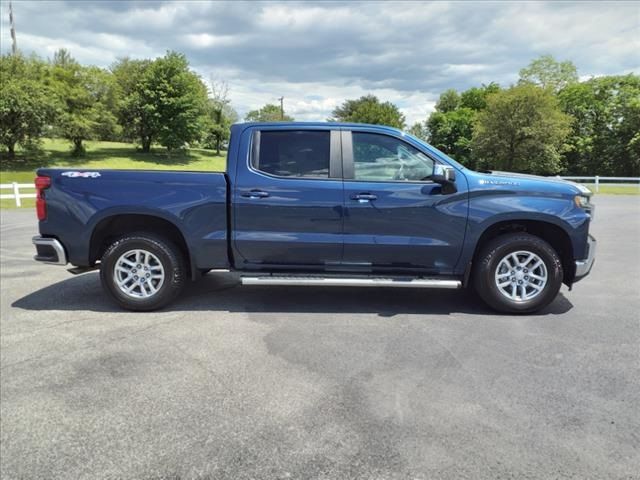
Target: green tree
[549,73]
[450,127]
[368,109]
[138,121]
[62,58]
[605,135]
[26,102]
[219,116]
[449,100]
[102,88]
[217,125]
[78,115]
[419,130]
[179,98]
[451,132]
[162,100]
[269,113]
[475,98]
[522,129]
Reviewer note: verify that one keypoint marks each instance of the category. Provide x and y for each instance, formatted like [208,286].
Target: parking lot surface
[273,382]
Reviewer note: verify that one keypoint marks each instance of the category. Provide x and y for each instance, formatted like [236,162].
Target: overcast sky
[319,54]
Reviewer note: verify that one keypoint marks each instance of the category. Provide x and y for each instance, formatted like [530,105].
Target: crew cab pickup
[321,204]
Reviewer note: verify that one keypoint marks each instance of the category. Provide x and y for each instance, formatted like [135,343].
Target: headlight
[582,201]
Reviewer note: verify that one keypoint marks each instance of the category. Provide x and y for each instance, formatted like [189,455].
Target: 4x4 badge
[81,174]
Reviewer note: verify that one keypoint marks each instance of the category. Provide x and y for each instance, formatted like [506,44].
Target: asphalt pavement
[276,382]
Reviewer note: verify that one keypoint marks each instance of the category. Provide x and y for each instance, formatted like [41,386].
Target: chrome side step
[318,281]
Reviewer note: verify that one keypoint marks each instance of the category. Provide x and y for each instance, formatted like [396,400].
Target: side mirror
[445,175]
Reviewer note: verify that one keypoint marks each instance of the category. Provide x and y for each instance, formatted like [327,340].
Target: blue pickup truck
[322,204]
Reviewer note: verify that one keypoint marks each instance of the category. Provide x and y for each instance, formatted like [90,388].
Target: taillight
[42,183]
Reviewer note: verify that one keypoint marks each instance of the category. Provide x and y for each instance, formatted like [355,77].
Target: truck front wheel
[142,271]
[518,273]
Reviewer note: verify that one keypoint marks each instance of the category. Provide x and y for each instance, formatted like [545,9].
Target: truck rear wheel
[142,271]
[518,273]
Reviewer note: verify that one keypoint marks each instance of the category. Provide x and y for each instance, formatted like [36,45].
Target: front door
[395,217]
[287,200]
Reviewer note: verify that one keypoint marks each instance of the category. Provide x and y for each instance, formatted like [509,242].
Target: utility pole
[14,44]
[281,108]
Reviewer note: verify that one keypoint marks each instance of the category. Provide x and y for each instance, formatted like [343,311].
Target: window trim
[335,157]
[349,164]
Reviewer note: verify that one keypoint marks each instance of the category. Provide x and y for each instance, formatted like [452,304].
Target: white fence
[596,181]
[17,195]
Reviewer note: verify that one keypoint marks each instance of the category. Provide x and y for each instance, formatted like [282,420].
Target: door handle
[363,197]
[256,194]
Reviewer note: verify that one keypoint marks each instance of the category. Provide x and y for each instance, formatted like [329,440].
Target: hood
[525,177]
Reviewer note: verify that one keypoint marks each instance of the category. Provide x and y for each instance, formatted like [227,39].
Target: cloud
[318,54]
[205,40]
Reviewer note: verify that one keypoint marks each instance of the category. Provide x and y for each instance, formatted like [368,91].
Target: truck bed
[79,201]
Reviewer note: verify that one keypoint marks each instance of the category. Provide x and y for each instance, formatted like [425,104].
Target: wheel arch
[552,233]
[110,227]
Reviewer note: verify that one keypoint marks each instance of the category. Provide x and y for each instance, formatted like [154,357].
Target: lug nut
[519,268]
[148,275]
[513,272]
[513,279]
[519,282]
[526,271]
[526,277]
[135,277]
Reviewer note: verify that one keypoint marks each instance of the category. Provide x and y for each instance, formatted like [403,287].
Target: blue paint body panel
[298,226]
[312,224]
[410,225]
[194,202]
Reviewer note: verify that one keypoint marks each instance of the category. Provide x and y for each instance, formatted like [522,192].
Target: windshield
[436,152]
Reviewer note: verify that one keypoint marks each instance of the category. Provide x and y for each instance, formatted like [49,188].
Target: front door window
[381,158]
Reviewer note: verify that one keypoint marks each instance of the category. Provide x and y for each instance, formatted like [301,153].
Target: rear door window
[292,153]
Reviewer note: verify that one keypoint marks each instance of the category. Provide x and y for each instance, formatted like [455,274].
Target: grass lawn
[616,189]
[11,203]
[105,155]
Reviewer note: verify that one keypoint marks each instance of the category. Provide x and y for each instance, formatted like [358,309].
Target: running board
[300,281]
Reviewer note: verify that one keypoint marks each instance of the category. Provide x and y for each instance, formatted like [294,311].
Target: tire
[163,264]
[499,268]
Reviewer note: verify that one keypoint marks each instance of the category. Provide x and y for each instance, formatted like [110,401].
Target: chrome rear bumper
[583,267]
[49,250]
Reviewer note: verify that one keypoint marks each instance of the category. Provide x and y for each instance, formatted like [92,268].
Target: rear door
[395,217]
[287,200]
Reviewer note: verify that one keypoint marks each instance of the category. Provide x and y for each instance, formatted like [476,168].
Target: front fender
[490,208]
